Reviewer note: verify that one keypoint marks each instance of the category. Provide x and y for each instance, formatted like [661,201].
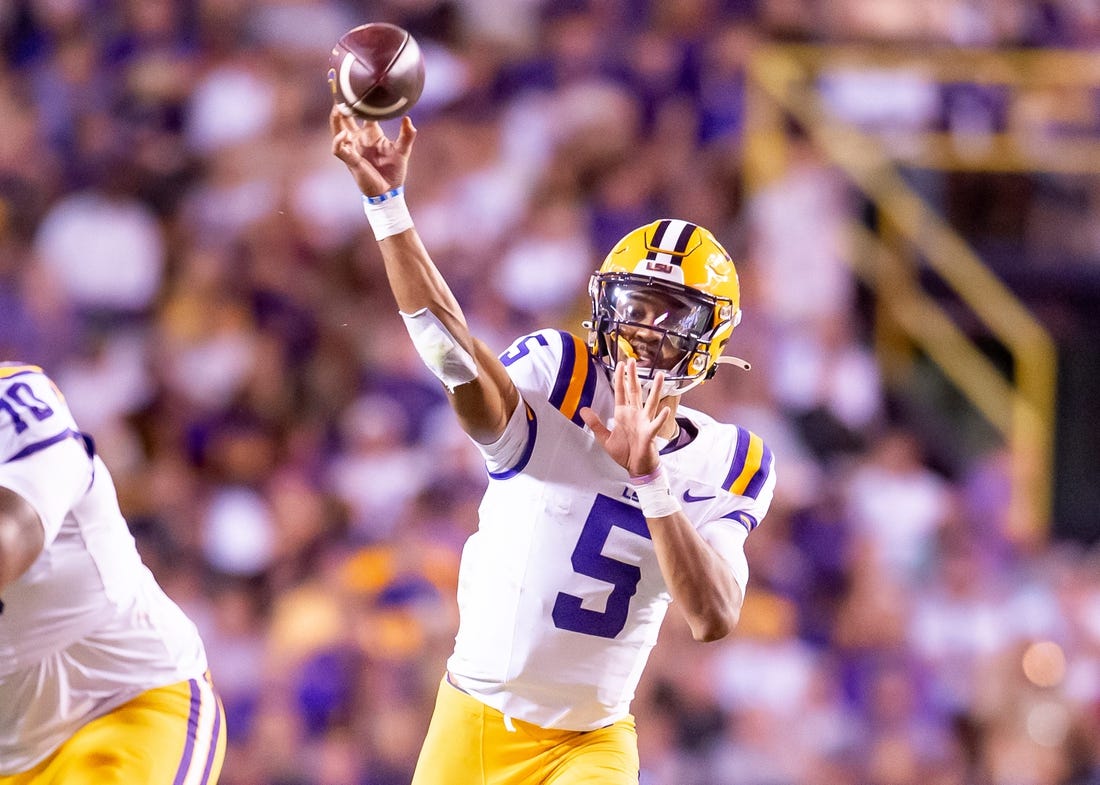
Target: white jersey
[560,594]
[86,628]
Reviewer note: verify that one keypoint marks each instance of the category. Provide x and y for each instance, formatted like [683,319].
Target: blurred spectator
[106,250]
[897,507]
[799,241]
[376,474]
[553,238]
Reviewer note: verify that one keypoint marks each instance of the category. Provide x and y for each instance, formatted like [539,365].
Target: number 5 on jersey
[588,559]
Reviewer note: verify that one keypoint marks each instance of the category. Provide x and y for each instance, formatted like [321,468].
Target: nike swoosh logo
[689,497]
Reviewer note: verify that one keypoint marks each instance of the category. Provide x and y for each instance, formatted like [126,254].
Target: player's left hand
[638,419]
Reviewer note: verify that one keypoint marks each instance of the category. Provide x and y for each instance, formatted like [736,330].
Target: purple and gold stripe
[204,747]
[575,385]
[8,371]
[743,518]
[192,734]
[752,463]
[521,464]
[31,449]
[11,370]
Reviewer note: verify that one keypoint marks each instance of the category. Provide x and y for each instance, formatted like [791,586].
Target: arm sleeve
[509,453]
[43,455]
[750,485]
[728,539]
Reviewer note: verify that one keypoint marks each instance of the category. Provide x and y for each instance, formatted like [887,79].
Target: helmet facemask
[662,325]
[667,296]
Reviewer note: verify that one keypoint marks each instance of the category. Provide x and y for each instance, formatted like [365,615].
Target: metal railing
[784,82]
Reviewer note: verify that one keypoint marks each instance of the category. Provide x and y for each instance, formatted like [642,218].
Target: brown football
[376,71]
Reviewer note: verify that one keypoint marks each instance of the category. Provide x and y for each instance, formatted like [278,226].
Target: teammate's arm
[22,536]
[485,402]
[701,582]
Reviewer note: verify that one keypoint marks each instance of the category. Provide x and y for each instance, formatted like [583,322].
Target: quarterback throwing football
[607,499]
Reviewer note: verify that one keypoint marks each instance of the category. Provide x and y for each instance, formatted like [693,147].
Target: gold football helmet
[666,295]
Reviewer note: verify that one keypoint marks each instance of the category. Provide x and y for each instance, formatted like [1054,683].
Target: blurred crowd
[181,252]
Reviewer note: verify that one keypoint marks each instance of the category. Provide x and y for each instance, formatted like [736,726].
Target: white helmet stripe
[672,237]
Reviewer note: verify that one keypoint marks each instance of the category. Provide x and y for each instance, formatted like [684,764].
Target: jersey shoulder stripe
[760,476]
[18,369]
[575,384]
[525,456]
[751,465]
[49,441]
[33,413]
[13,370]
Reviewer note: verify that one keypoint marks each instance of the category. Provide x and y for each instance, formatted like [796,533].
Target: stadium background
[181,252]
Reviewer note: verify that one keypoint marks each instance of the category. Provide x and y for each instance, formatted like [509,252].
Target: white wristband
[387,213]
[655,495]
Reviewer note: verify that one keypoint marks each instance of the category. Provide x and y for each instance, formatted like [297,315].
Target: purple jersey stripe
[752,490]
[214,736]
[192,732]
[31,449]
[739,455]
[532,432]
[565,370]
[743,518]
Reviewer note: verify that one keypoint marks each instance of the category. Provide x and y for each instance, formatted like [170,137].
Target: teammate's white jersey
[560,593]
[86,628]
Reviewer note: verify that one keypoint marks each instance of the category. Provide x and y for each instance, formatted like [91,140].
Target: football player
[102,677]
[607,498]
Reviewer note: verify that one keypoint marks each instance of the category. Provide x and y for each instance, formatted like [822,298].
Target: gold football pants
[172,735]
[469,743]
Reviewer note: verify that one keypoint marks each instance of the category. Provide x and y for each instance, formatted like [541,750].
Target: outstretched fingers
[406,136]
[649,403]
[593,421]
[337,123]
[653,401]
[628,390]
[372,133]
[658,421]
[366,131]
[337,120]
[634,385]
[620,384]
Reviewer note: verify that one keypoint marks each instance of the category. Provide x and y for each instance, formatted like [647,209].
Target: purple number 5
[588,559]
[521,348]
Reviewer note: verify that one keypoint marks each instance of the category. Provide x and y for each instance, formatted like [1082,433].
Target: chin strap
[728,359]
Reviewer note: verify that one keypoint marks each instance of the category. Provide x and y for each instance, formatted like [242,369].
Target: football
[376,71]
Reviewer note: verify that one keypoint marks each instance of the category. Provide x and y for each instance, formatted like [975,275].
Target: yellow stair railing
[783,83]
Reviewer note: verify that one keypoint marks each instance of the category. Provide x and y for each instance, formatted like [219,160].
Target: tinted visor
[649,305]
[673,321]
